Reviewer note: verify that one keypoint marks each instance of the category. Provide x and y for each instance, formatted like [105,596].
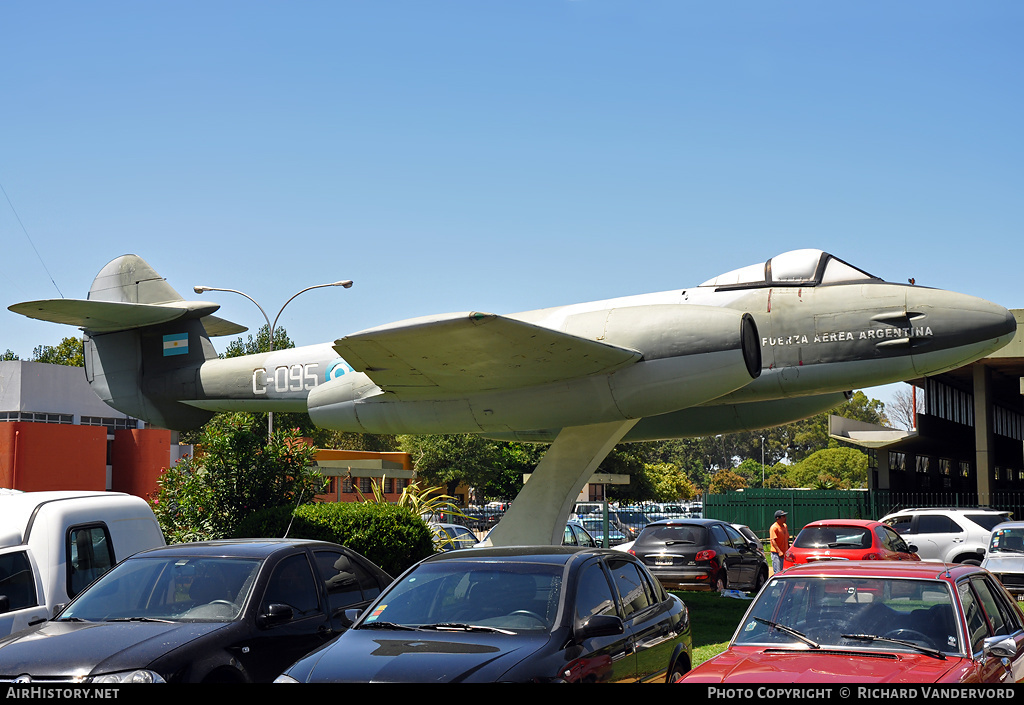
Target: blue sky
[501,155]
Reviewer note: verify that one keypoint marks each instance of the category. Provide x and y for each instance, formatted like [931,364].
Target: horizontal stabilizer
[464,352]
[111,316]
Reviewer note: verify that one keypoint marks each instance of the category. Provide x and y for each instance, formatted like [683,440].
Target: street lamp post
[762,462]
[344,283]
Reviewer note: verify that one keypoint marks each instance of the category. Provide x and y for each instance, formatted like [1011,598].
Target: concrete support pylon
[539,512]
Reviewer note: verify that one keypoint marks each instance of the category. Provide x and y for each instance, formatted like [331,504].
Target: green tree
[8,355]
[236,472]
[843,468]
[811,435]
[668,482]
[777,477]
[726,481]
[261,343]
[451,460]
[750,470]
[69,351]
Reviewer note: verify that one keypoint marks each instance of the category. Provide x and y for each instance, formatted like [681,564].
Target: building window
[872,454]
[924,463]
[112,424]
[965,468]
[948,403]
[365,485]
[346,485]
[898,461]
[36,417]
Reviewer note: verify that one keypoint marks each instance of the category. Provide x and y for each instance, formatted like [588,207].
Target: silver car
[1005,557]
[950,534]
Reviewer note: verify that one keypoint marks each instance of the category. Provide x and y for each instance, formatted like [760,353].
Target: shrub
[236,472]
[392,537]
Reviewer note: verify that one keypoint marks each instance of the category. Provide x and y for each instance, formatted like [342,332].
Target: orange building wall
[137,459]
[41,456]
[335,495]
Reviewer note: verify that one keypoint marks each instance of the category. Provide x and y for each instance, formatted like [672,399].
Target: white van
[53,544]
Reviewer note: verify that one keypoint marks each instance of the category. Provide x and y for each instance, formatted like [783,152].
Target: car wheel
[720,583]
[679,666]
[971,561]
[762,578]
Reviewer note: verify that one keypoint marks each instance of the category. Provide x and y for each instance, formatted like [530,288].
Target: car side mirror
[275,613]
[5,604]
[755,545]
[349,616]
[599,625]
[1000,647]
[912,548]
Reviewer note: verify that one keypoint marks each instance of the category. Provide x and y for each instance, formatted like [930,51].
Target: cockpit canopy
[796,268]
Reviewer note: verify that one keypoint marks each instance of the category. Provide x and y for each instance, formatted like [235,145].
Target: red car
[848,540]
[875,621]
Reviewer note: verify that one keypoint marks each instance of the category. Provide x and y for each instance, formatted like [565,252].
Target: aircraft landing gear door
[21,605]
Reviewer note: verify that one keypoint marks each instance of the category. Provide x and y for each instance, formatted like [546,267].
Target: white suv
[950,535]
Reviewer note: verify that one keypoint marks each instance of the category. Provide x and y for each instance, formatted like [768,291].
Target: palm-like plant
[425,502]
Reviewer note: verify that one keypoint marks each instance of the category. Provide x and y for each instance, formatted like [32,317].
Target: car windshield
[675,533]
[1007,540]
[168,588]
[849,612]
[511,596]
[835,537]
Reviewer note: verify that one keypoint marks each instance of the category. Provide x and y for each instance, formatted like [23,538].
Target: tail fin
[144,344]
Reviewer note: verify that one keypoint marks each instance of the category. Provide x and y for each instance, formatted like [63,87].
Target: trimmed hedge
[392,537]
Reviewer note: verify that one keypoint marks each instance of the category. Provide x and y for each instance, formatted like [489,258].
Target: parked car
[595,527]
[481,519]
[848,540]
[516,614]
[1005,557]
[583,509]
[629,521]
[874,621]
[577,535]
[747,532]
[667,511]
[221,611]
[452,537]
[701,554]
[53,544]
[950,535]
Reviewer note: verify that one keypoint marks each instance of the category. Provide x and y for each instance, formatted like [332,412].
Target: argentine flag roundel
[176,344]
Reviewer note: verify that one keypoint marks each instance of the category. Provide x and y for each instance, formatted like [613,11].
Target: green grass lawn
[713,619]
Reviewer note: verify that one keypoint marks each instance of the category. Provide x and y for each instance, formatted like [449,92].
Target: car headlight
[285,678]
[139,676]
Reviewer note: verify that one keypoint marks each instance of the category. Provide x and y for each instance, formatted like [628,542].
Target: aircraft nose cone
[965,327]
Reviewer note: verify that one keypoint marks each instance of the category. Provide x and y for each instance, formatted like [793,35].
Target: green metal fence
[756,507]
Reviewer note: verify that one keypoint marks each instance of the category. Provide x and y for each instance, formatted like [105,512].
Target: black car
[222,611]
[703,554]
[517,614]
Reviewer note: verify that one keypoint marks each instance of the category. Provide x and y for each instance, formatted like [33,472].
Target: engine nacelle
[730,360]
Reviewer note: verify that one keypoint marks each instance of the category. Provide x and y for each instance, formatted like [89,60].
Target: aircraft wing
[468,352]
[110,316]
